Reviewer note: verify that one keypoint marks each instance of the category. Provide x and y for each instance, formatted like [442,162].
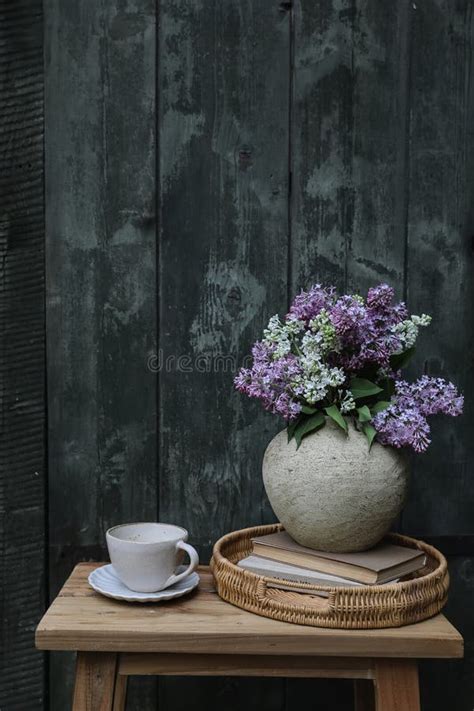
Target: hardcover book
[292,573]
[381,564]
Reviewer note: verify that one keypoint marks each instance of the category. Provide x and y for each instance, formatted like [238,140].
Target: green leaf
[308,410]
[379,406]
[369,372]
[388,388]
[364,414]
[399,360]
[335,414]
[310,424]
[291,429]
[360,387]
[370,433]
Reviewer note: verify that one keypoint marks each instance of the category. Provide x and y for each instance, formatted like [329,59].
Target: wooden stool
[201,635]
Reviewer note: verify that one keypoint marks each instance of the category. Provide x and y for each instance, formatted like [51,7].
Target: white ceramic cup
[145,555]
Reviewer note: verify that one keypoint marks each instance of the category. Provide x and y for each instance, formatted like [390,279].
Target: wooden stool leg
[396,685]
[95,681]
[364,698]
[120,695]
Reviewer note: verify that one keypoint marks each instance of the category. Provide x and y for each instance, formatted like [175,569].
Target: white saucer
[104,580]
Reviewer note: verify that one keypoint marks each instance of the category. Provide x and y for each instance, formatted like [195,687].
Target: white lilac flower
[423,320]
[316,379]
[347,402]
[281,336]
[312,344]
[278,335]
[407,331]
[294,325]
[273,329]
[322,326]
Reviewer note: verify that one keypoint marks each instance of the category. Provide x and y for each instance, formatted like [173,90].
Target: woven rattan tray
[368,607]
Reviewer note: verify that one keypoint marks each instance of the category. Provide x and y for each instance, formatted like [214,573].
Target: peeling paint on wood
[379,163]
[223,271]
[223,248]
[322,200]
[440,260]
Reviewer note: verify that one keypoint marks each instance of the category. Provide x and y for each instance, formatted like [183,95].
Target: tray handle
[277,598]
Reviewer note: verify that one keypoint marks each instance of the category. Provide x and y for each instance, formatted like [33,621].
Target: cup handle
[193,563]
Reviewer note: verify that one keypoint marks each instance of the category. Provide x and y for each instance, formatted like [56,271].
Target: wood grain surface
[95,682]
[223,196]
[440,254]
[246,665]
[81,619]
[396,686]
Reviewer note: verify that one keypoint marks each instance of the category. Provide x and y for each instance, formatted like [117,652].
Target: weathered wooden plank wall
[101,280]
[348,162]
[440,229]
[204,161]
[22,362]
[223,88]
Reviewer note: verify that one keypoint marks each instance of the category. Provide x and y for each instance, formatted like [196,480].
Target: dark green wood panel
[223,122]
[223,250]
[319,694]
[439,281]
[101,280]
[449,683]
[349,138]
[322,199]
[220,693]
[22,409]
[381,46]
[349,163]
[364,109]
[440,253]
[322,192]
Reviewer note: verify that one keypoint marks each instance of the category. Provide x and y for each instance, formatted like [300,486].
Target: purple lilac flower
[349,318]
[402,428]
[269,381]
[325,340]
[308,304]
[380,297]
[431,395]
[380,305]
[404,423]
[366,330]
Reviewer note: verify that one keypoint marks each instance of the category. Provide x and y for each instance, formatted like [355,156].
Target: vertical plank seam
[104,244]
[348,232]
[46,576]
[158,250]
[406,49]
[289,266]
[406,135]
[159,457]
[291,69]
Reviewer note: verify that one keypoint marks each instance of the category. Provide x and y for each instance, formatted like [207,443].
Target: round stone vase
[332,493]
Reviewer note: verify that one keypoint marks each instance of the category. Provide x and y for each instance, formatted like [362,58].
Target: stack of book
[278,556]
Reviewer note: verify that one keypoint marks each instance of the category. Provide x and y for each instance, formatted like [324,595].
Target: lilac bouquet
[340,357]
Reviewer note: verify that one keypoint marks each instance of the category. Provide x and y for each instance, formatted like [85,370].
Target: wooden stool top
[83,620]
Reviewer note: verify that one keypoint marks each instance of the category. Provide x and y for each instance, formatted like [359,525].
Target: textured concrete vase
[332,493]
